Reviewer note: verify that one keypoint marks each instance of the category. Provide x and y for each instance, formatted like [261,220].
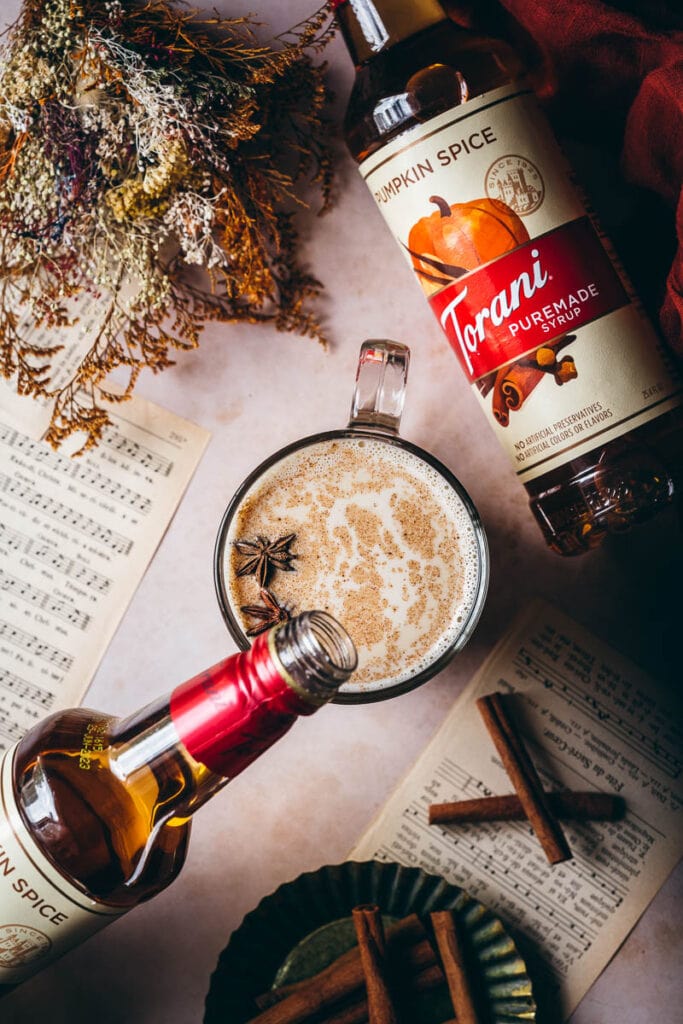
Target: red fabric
[653,156]
[622,71]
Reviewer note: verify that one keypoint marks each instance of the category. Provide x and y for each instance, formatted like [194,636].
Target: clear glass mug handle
[380,386]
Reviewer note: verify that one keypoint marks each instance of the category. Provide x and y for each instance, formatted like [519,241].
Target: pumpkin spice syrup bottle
[95,812]
[576,384]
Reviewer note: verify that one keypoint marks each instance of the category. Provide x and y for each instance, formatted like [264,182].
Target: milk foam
[384,543]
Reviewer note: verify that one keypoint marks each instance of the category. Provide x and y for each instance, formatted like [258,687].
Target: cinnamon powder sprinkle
[378,548]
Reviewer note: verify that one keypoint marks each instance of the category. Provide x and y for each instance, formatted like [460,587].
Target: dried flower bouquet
[149,156]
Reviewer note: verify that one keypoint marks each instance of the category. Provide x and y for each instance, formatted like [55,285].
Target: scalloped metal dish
[304,925]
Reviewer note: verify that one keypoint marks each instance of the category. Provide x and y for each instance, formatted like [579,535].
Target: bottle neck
[217,723]
[371,26]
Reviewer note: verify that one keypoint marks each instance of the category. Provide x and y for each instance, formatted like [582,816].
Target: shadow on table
[545,986]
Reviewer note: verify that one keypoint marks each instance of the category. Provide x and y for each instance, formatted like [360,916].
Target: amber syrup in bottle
[578,387]
[95,812]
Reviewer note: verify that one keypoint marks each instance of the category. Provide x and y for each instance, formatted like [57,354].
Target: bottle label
[41,914]
[541,319]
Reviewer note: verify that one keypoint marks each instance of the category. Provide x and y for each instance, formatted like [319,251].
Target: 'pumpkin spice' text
[420,170]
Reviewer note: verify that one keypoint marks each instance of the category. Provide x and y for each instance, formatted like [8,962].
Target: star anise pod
[264,556]
[267,614]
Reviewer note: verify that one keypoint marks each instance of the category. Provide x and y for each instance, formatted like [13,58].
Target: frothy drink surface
[383,543]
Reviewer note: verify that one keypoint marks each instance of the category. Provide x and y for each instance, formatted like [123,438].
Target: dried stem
[128,131]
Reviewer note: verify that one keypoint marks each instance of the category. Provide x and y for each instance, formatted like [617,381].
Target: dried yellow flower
[137,140]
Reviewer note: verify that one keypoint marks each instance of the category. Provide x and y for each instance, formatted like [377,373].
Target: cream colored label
[483,206]
[41,914]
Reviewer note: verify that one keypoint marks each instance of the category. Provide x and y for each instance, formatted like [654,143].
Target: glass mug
[367,526]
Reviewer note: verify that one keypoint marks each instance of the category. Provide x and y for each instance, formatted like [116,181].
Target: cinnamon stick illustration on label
[513,384]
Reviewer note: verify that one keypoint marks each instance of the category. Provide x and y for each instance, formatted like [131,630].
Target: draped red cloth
[611,75]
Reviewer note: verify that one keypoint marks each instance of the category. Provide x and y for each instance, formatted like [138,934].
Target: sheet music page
[591,721]
[76,535]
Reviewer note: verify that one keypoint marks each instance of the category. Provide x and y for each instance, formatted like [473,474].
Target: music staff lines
[23,690]
[140,454]
[593,875]
[550,783]
[554,964]
[521,889]
[38,598]
[463,781]
[18,541]
[552,968]
[64,514]
[11,730]
[613,723]
[118,492]
[32,644]
[83,473]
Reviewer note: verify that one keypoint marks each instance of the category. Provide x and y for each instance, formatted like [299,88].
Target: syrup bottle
[95,812]
[575,382]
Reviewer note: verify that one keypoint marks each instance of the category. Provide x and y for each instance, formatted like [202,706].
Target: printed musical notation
[76,535]
[21,704]
[75,470]
[542,896]
[35,499]
[138,452]
[22,690]
[591,721]
[43,600]
[71,567]
[622,727]
[34,645]
[10,729]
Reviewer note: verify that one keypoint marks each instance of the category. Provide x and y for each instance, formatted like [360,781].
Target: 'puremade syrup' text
[577,385]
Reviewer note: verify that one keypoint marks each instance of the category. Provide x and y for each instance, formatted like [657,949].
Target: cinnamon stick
[577,806]
[357,1012]
[413,959]
[367,921]
[338,981]
[450,947]
[524,778]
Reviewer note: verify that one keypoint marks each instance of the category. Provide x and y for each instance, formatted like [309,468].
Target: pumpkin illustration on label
[453,240]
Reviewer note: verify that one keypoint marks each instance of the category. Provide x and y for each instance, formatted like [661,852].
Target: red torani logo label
[529,296]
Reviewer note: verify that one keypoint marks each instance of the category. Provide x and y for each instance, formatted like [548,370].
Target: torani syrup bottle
[95,814]
[462,164]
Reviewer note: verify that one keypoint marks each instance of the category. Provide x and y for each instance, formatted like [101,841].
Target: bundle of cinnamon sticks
[372,981]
